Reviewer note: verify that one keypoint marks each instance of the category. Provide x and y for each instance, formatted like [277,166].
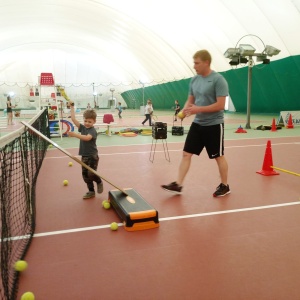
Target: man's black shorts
[210,137]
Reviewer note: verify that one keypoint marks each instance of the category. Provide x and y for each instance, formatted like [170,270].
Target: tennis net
[21,157]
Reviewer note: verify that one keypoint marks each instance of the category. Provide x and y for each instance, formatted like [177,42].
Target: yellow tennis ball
[65,182]
[106,205]
[70,164]
[21,265]
[28,296]
[104,201]
[181,115]
[114,226]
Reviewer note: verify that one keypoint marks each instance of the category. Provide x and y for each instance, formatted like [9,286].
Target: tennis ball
[106,205]
[21,265]
[28,296]
[104,202]
[114,226]
[65,182]
[181,115]
[70,164]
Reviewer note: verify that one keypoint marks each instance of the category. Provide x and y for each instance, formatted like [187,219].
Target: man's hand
[191,109]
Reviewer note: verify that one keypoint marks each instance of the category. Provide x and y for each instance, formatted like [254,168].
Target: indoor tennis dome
[131,50]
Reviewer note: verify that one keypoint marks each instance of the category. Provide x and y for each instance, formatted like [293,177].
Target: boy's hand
[71,133]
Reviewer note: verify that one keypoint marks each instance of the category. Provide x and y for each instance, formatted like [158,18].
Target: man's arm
[217,106]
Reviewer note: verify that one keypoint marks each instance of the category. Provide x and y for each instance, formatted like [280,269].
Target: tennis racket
[153,117]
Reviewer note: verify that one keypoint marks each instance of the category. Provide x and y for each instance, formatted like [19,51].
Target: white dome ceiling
[122,42]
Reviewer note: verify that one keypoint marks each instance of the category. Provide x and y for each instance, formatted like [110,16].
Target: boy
[177,109]
[88,149]
[119,108]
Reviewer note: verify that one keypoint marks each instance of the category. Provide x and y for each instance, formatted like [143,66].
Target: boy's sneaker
[222,190]
[89,195]
[173,187]
[100,187]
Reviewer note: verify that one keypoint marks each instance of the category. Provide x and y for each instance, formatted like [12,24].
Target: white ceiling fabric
[120,42]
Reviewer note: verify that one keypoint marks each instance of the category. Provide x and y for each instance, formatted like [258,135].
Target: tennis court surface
[241,246]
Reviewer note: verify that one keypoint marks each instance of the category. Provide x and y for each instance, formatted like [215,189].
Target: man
[206,100]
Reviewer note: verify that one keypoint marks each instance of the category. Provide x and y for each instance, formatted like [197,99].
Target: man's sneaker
[222,190]
[173,187]
[100,187]
[89,195]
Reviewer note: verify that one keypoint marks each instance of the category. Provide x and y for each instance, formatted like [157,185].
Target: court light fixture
[261,57]
[246,50]
[244,54]
[231,52]
[234,61]
[270,50]
[243,60]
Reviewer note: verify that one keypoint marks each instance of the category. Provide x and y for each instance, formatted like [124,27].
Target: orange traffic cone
[290,122]
[274,128]
[268,162]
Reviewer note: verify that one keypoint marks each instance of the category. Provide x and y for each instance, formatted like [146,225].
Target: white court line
[229,211]
[161,220]
[174,150]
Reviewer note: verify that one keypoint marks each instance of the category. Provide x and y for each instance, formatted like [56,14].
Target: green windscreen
[275,88]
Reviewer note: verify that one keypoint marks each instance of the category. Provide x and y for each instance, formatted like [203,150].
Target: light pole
[142,108]
[143,85]
[244,54]
[98,95]
[143,94]
[94,94]
[112,96]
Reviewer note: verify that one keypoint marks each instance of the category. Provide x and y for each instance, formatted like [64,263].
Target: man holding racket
[206,100]
[87,149]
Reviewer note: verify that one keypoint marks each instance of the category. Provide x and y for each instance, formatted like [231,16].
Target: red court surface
[241,246]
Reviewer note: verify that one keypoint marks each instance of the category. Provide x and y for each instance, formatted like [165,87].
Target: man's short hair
[204,55]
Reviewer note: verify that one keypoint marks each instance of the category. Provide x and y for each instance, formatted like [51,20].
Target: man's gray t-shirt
[206,90]
[88,148]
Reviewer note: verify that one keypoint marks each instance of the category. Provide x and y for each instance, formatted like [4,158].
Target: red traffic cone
[290,122]
[268,162]
[240,130]
[274,128]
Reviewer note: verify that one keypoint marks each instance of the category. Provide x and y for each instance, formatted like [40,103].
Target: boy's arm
[84,138]
[73,118]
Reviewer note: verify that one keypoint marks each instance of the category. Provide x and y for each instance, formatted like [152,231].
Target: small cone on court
[274,128]
[268,162]
[290,122]
[240,130]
